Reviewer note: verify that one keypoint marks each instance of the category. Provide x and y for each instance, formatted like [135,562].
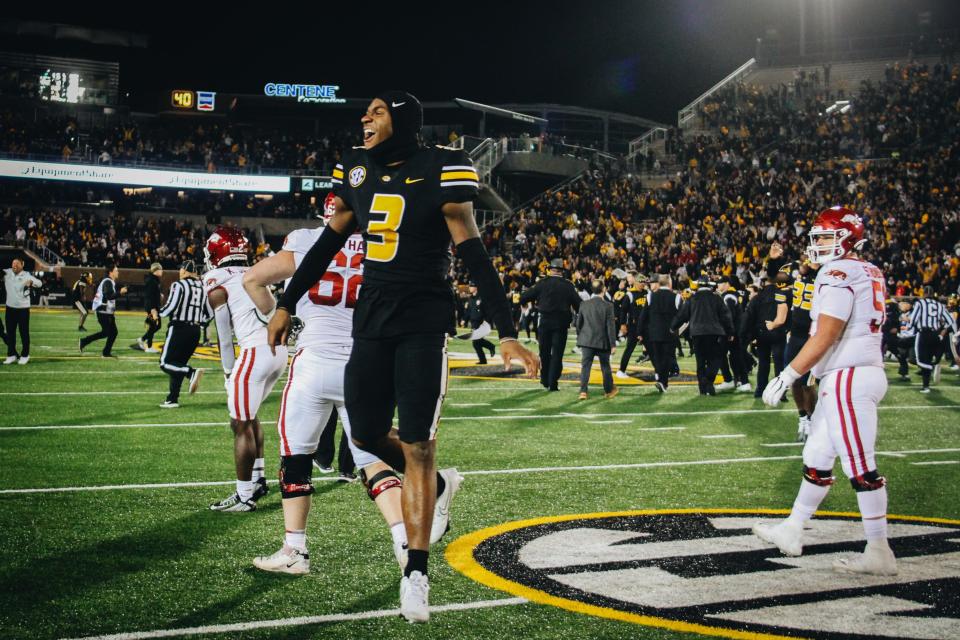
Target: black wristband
[491,291]
[312,267]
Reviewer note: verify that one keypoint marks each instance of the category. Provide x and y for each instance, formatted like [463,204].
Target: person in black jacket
[711,327]
[151,304]
[630,311]
[655,322]
[556,299]
[475,317]
[766,322]
[737,371]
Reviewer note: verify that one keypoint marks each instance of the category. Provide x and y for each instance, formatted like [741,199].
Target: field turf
[122,559]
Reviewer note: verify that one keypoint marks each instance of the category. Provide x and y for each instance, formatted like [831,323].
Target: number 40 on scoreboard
[187,99]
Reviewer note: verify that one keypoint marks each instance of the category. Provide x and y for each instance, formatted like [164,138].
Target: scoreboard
[189,100]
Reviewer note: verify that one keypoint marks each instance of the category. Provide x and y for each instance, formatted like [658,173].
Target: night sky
[643,58]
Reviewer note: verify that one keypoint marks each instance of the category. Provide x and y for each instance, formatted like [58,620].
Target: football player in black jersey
[76,297]
[804,273]
[409,202]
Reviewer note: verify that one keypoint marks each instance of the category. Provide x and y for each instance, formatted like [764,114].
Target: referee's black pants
[552,343]
[927,350]
[181,341]
[18,319]
[108,330]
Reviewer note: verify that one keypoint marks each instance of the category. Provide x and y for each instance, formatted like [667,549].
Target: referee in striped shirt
[931,321]
[186,310]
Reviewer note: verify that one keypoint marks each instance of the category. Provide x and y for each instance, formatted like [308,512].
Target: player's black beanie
[407,115]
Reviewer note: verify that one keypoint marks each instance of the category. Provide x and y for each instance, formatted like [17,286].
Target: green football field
[106,530]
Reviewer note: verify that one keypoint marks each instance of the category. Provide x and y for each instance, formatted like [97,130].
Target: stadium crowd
[207,144]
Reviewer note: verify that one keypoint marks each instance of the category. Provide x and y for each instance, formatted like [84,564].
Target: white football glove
[778,386]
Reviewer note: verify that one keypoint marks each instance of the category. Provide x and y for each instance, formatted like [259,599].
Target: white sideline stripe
[719,436]
[584,416]
[937,462]
[482,472]
[300,621]
[151,485]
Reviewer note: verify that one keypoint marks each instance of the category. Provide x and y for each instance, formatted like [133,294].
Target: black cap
[406,113]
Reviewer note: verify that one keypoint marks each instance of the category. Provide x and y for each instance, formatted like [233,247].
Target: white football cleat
[195,380]
[166,404]
[744,388]
[441,511]
[724,386]
[414,597]
[286,560]
[233,504]
[877,559]
[23,360]
[12,359]
[141,344]
[400,553]
[622,374]
[786,537]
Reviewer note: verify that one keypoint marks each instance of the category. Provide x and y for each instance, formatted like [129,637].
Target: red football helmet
[329,207]
[225,244]
[843,227]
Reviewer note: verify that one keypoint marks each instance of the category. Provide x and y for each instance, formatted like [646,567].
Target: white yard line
[609,421]
[781,444]
[514,409]
[937,462]
[469,404]
[721,436]
[555,416]
[481,472]
[299,621]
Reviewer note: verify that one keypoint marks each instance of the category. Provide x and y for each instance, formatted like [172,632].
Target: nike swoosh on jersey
[412,180]
[397,104]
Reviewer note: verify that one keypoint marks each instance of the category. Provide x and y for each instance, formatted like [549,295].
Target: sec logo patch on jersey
[703,571]
[357,175]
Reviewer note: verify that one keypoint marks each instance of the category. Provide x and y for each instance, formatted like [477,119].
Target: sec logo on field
[357,175]
[703,571]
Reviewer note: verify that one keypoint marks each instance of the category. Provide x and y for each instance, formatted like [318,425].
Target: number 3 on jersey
[382,237]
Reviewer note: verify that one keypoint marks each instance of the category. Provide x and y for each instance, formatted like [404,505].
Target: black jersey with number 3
[800,303]
[406,286]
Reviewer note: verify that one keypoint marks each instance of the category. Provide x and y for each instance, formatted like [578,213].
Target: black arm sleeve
[312,267]
[478,263]
[109,293]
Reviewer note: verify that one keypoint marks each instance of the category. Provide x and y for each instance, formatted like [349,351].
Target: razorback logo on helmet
[852,218]
[836,273]
[225,244]
[703,571]
[329,207]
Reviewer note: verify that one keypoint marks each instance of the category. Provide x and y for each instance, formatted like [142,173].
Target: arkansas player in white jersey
[314,390]
[249,378]
[845,353]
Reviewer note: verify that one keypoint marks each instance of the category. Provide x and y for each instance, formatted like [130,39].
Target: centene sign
[143,177]
[326,93]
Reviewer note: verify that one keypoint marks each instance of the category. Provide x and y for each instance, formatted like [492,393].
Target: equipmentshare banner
[143,177]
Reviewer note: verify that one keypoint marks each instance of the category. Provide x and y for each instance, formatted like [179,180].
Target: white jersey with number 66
[853,291]
[327,308]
